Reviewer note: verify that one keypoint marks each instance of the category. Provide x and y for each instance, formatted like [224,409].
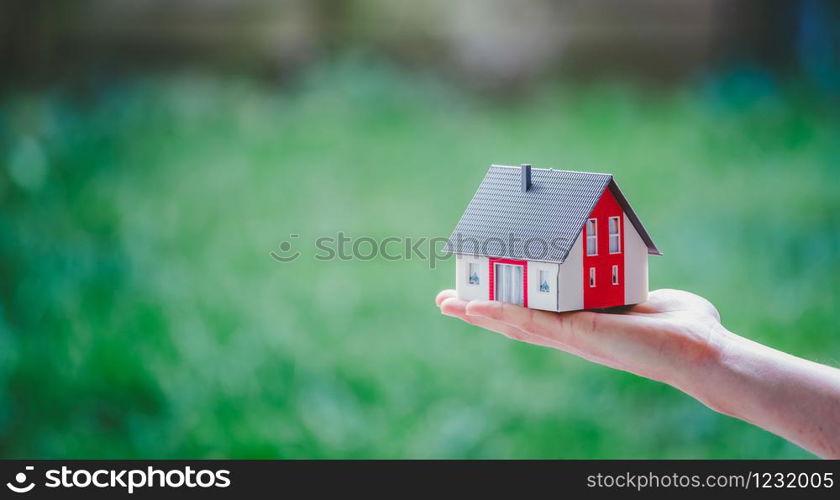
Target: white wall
[635,265]
[462,284]
[537,299]
[570,279]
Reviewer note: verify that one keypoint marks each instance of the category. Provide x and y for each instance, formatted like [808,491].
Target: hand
[676,337]
[651,339]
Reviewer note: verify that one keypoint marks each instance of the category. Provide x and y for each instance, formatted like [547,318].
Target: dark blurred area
[486,43]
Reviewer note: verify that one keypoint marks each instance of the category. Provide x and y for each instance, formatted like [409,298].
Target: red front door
[603,254]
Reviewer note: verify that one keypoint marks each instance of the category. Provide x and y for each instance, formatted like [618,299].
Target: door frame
[492,277]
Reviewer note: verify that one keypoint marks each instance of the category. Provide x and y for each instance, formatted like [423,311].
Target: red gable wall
[604,293]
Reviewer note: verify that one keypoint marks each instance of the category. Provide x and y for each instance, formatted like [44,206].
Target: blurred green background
[146,174]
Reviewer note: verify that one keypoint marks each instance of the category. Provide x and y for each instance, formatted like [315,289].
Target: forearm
[676,337]
[788,396]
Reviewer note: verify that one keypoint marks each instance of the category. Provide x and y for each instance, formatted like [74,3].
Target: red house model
[551,239]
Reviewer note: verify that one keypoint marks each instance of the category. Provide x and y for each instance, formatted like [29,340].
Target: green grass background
[142,315]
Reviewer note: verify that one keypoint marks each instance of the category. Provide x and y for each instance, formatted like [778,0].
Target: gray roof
[539,224]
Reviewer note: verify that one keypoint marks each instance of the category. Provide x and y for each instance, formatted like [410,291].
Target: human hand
[654,339]
[676,337]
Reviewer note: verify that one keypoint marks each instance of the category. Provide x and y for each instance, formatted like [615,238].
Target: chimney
[525,176]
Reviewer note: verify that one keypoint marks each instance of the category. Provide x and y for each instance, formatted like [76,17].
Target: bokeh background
[153,154]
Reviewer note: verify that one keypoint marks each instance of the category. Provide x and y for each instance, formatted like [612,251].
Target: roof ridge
[550,169]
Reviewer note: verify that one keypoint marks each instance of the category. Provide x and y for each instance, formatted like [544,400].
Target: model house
[551,239]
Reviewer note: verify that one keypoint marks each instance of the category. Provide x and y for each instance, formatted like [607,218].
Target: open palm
[676,337]
[645,339]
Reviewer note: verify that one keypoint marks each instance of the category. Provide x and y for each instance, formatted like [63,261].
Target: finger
[656,302]
[553,325]
[579,331]
[443,295]
[457,308]
[453,306]
[598,337]
[689,301]
[665,299]
[636,343]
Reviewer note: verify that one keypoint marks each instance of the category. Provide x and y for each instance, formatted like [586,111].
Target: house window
[472,274]
[614,275]
[592,237]
[615,235]
[591,277]
[544,282]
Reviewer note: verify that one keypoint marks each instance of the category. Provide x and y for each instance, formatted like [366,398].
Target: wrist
[712,372]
